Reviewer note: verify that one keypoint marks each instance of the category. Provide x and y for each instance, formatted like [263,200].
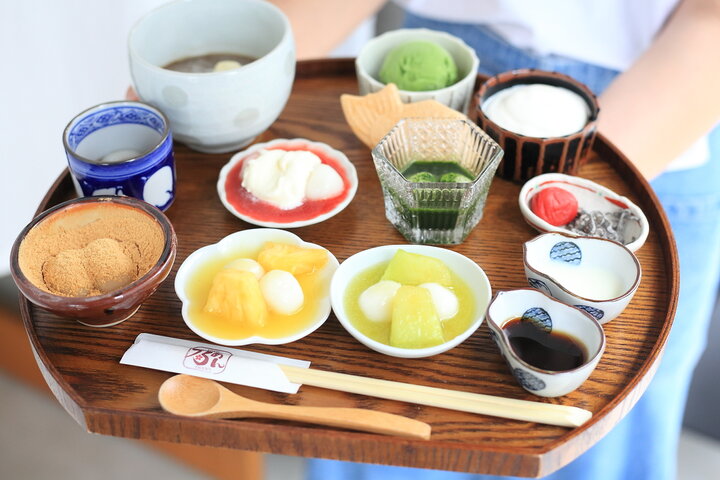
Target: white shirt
[608,33]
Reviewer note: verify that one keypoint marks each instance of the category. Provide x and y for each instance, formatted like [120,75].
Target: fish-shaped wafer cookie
[373,115]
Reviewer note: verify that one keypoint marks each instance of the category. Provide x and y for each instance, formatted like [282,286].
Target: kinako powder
[90,249]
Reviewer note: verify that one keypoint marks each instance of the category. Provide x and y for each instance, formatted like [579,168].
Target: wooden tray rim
[87,415]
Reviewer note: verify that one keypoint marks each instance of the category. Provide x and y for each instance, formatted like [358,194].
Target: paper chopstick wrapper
[215,362]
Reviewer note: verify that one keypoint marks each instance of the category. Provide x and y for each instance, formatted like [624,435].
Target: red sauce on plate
[248,205]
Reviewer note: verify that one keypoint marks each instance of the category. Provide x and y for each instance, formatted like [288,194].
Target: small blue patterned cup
[549,315]
[122,148]
[596,275]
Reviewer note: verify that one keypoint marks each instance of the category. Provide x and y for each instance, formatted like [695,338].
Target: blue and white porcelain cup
[596,275]
[550,315]
[122,148]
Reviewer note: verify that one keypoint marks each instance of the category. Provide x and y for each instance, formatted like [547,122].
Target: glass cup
[435,212]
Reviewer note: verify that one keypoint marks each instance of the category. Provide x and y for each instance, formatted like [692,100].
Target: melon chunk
[414,269]
[236,296]
[415,323]
[292,258]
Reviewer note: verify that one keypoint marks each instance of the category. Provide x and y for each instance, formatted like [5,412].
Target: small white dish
[591,197]
[457,96]
[533,305]
[468,271]
[593,274]
[340,163]
[249,240]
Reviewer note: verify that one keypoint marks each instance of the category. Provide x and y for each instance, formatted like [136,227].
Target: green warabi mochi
[454,177]
[415,323]
[423,177]
[414,269]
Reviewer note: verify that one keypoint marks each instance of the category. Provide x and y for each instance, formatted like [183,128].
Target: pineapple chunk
[415,323]
[291,258]
[414,269]
[223,299]
[236,295]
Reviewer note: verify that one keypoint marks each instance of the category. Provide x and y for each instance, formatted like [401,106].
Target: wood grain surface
[81,365]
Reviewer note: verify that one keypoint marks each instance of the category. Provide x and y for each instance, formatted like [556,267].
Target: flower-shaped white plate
[243,241]
[349,173]
[591,197]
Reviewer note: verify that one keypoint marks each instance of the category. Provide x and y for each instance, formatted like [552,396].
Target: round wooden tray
[81,363]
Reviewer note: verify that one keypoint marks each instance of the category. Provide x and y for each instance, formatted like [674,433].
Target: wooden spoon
[199,397]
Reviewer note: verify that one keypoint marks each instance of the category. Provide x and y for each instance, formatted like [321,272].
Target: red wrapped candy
[554,205]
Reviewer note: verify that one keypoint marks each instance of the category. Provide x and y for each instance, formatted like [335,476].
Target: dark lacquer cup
[528,156]
[53,234]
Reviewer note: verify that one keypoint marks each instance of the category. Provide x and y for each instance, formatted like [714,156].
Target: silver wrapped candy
[605,224]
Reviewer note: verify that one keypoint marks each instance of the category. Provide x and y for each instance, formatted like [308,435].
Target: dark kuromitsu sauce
[249,205]
[554,351]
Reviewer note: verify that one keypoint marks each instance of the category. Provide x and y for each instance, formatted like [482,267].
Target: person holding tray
[657,80]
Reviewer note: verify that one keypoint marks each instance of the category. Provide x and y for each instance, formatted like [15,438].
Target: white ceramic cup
[526,303]
[223,111]
[458,95]
[594,274]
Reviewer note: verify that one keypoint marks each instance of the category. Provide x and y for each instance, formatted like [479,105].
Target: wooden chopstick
[551,414]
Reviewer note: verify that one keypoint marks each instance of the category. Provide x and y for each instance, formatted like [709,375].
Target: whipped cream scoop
[287,178]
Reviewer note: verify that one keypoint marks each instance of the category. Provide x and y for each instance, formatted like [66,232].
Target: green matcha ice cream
[419,66]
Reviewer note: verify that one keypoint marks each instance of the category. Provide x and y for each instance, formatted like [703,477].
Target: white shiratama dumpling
[225,65]
[376,301]
[248,265]
[282,292]
[445,301]
[323,182]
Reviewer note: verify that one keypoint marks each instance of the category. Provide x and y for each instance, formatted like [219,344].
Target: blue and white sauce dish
[593,274]
[122,148]
[551,317]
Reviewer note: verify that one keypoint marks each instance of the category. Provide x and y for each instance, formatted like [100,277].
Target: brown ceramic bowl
[32,250]
[526,157]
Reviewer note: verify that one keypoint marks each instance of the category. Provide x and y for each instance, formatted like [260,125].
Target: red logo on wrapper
[206,360]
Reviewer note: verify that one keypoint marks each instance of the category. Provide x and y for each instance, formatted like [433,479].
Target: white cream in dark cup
[530,152]
[538,110]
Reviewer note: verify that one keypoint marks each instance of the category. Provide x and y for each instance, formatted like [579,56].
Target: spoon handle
[351,418]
